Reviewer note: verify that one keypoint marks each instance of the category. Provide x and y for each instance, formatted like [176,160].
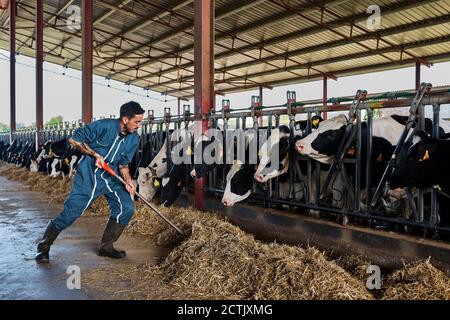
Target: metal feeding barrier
[155,131]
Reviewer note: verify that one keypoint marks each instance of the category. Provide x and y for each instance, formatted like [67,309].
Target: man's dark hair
[130,109]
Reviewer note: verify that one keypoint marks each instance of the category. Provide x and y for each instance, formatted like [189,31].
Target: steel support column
[261,99]
[39,35]
[87,37]
[418,75]
[325,95]
[204,74]
[12,66]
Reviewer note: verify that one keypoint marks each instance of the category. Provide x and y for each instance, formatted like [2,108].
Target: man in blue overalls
[113,141]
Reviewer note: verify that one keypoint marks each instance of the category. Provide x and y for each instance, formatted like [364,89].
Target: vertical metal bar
[204,73]
[12,68]
[417,75]
[358,141]
[179,105]
[420,126]
[268,185]
[309,162]
[87,38]
[39,69]
[262,103]
[434,195]
[277,180]
[369,156]
[325,95]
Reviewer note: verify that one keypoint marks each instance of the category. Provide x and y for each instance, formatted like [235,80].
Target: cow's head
[148,183]
[424,164]
[239,183]
[274,156]
[323,143]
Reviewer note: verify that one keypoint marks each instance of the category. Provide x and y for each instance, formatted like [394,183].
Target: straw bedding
[218,260]
[55,189]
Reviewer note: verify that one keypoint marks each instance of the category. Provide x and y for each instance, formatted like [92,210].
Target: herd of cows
[424,164]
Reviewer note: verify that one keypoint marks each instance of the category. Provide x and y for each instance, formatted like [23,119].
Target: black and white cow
[425,166]
[152,169]
[322,145]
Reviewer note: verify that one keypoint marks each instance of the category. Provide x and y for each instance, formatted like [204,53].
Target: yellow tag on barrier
[426,156]
[315,122]
[376,105]
[189,151]
[156,183]
[66,161]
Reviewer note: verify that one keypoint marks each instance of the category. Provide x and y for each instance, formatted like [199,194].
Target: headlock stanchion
[424,90]
[352,135]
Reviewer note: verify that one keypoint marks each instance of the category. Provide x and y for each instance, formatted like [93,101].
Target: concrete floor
[23,217]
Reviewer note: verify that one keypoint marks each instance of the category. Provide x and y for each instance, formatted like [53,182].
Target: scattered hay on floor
[418,281]
[220,259]
[356,265]
[146,222]
[55,189]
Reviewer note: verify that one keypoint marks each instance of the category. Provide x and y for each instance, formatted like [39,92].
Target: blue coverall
[103,136]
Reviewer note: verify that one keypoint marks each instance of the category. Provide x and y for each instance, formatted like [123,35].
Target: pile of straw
[418,281]
[219,259]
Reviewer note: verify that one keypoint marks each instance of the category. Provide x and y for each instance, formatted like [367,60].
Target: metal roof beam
[221,13]
[97,20]
[58,12]
[328,45]
[266,22]
[338,73]
[252,26]
[388,9]
[136,26]
[359,55]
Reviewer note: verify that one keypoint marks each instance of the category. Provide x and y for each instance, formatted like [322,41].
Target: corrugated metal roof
[258,43]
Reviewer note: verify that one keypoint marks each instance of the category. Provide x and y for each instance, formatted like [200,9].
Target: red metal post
[262,103]
[204,73]
[39,30]
[417,75]
[12,67]
[325,95]
[87,37]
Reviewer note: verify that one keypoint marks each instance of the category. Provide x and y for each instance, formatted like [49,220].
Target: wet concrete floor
[23,218]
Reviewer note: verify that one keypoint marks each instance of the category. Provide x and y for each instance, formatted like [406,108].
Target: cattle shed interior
[260,43]
[371,183]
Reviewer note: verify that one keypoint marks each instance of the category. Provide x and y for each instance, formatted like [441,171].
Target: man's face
[131,125]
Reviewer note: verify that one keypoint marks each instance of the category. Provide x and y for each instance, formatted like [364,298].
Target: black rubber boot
[43,248]
[112,232]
